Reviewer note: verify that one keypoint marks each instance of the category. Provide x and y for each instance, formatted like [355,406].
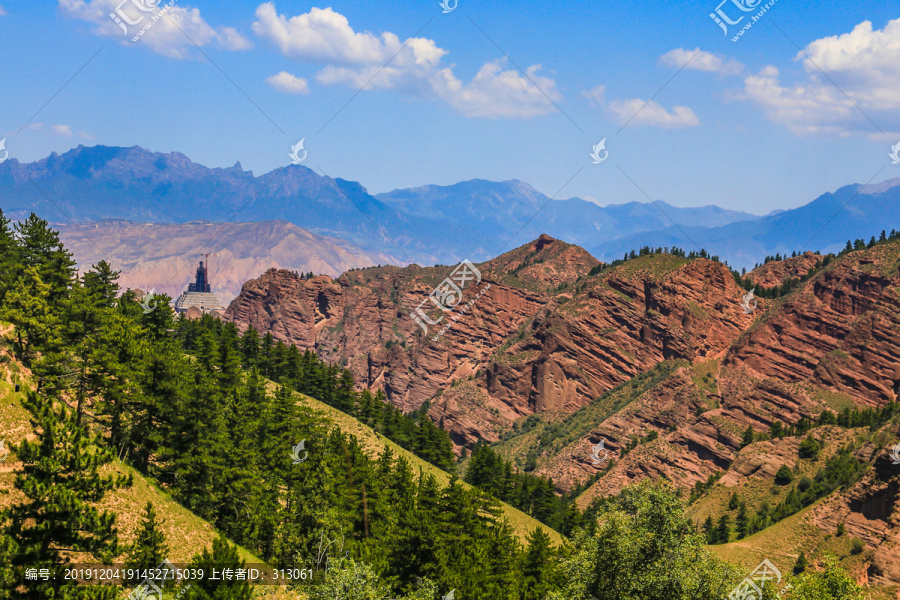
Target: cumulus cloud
[358,59]
[863,63]
[325,36]
[640,112]
[63,130]
[495,93]
[699,60]
[289,84]
[172,34]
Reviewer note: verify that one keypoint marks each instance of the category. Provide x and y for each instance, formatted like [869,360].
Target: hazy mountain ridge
[512,213]
[430,224]
[825,225]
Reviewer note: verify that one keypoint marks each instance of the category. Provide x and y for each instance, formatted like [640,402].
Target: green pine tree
[222,556]
[723,530]
[801,564]
[709,527]
[149,548]
[27,306]
[538,568]
[41,249]
[61,482]
[743,522]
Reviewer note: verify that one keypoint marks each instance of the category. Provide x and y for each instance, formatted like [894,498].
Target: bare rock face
[777,272]
[838,330]
[542,333]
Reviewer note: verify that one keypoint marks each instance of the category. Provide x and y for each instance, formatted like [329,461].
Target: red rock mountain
[545,335]
[776,272]
[655,356]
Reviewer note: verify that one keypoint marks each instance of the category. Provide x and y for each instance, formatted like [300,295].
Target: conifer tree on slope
[222,556]
[27,305]
[61,482]
[149,548]
[9,252]
[40,248]
[538,573]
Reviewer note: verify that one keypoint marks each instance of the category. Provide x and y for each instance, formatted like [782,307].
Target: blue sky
[751,125]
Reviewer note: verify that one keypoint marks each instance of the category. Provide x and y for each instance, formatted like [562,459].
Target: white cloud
[324,36]
[173,34]
[640,112]
[497,93]
[699,60]
[3,13]
[803,110]
[63,130]
[358,59]
[231,39]
[35,127]
[289,84]
[863,63]
[596,96]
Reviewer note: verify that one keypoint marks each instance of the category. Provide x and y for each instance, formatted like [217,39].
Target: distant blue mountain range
[475,219]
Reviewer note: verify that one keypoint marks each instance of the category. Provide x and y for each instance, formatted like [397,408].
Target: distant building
[199,294]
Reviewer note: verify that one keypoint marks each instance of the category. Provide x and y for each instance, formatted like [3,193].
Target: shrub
[784,475]
[809,448]
[857,546]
